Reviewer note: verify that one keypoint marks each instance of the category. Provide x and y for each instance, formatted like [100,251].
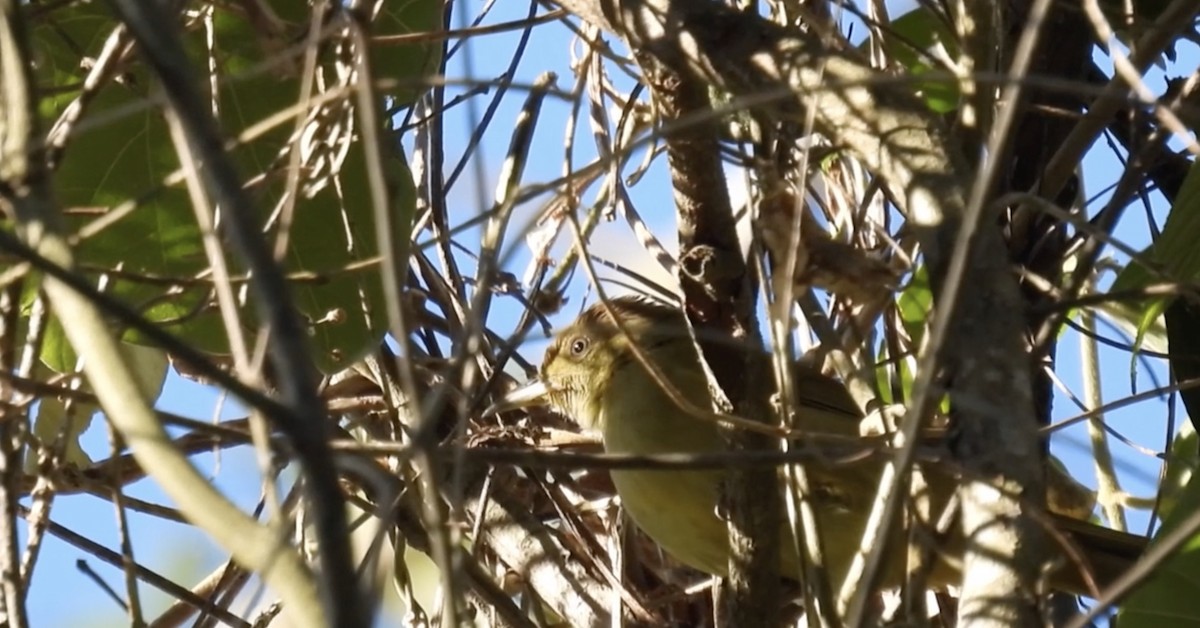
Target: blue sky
[179,551]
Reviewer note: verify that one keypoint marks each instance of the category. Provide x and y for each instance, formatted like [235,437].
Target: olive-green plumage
[590,374]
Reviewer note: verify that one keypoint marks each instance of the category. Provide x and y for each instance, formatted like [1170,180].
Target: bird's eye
[578,346]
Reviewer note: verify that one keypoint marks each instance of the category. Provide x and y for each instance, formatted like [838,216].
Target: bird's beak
[533,393]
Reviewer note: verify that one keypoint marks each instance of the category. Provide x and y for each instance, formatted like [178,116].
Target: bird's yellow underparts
[591,375]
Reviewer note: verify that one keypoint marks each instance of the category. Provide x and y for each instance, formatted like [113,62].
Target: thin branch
[25,192]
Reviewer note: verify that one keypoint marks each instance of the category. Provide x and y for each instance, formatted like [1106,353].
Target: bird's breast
[676,508]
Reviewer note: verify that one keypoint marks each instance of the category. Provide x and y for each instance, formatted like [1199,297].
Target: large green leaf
[920,31]
[1183,333]
[409,65]
[119,151]
[123,152]
[1174,254]
[1168,598]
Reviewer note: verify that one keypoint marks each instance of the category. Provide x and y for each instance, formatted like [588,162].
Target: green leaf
[1183,333]
[1182,459]
[54,422]
[346,308]
[1149,331]
[121,151]
[920,31]
[915,303]
[58,37]
[1168,598]
[153,257]
[410,65]
[1174,253]
[1175,256]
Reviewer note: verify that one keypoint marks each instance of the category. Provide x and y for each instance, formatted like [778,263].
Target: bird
[592,374]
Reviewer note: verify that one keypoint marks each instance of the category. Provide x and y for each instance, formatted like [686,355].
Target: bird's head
[577,370]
